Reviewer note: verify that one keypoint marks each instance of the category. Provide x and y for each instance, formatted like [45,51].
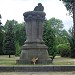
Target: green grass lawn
[5,60]
[63,61]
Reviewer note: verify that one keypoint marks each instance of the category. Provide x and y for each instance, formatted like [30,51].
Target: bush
[64,50]
[18,50]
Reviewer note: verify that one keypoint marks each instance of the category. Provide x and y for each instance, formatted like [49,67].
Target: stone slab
[36,68]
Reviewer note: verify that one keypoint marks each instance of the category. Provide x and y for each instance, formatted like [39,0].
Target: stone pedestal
[34,46]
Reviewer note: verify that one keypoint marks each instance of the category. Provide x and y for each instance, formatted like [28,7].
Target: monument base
[32,51]
[21,61]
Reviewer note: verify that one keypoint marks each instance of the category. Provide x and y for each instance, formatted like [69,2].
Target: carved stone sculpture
[39,7]
[34,46]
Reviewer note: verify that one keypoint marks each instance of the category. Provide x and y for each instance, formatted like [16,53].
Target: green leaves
[54,34]
[18,29]
[9,41]
[49,38]
[19,34]
[1,37]
[72,44]
[59,31]
[69,5]
[64,50]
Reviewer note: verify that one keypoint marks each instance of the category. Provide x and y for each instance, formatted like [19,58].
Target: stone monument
[34,47]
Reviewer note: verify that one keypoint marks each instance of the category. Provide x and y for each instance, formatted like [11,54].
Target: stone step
[36,68]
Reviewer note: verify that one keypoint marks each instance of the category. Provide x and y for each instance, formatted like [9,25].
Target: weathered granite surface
[34,46]
[38,68]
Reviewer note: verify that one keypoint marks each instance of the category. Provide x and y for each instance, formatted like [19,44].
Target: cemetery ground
[5,61]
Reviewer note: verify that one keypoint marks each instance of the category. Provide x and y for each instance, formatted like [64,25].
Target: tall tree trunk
[74,17]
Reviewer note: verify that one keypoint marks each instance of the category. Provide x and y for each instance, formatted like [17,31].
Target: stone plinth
[34,46]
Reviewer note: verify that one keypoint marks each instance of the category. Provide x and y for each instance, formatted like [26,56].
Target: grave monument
[34,47]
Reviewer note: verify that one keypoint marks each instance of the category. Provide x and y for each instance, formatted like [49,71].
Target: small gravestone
[34,46]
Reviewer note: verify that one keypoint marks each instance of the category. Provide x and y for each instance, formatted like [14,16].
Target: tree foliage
[60,33]
[49,38]
[19,33]
[1,39]
[72,43]
[64,50]
[9,41]
[54,34]
[68,5]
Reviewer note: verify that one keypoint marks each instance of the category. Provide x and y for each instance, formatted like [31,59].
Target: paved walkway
[37,73]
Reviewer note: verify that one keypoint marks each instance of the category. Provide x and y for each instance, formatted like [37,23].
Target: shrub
[18,50]
[64,50]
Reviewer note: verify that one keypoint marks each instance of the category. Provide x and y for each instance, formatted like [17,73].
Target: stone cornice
[34,15]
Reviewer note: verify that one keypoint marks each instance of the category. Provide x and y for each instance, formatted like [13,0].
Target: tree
[60,33]
[72,43]
[9,42]
[54,34]
[19,32]
[49,38]
[70,5]
[1,37]
[1,41]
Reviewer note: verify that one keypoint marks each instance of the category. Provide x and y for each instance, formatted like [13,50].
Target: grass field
[63,61]
[5,60]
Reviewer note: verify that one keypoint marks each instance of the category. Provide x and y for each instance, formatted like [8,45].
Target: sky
[14,9]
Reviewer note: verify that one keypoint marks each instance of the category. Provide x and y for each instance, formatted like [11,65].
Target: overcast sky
[14,9]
